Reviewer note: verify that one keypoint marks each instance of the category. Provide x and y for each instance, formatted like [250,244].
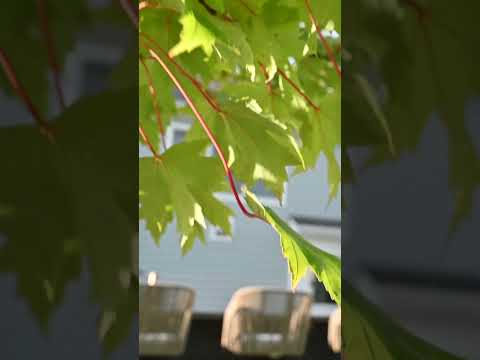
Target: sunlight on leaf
[301,254]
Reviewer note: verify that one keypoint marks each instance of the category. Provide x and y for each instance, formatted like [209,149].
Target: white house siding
[218,269]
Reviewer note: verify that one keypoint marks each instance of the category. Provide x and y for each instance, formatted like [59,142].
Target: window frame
[83,53]
[174,126]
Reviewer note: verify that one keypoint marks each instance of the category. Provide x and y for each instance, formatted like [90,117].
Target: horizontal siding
[218,269]
[308,194]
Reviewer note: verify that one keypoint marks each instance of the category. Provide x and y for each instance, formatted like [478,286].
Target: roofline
[316,221]
[441,280]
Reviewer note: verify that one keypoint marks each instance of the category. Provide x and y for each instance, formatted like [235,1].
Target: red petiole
[52,59]
[12,77]
[298,90]
[130,10]
[328,49]
[185,73]
[153,94]
[147,141]
[207,130]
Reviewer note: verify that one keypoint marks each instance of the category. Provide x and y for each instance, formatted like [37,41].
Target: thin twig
[153,94]
[52,59]
[145,139]
[265,74]
[185,73]
[249,9]
[421,12]
[328,49]
[214,12]
[298,90]
[130,10]
[207,130]
[17,86]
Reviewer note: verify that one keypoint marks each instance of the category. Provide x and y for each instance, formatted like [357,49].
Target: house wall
[218,269]
[253,257]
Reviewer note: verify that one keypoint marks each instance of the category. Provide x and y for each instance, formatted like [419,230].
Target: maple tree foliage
[406,64]
[62,208]
[261,82]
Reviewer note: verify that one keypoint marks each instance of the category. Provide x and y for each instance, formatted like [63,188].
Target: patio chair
[266,322]
[165,316]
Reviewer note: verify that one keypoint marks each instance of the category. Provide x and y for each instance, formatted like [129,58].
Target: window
[96,75]
[176,132]
[179,99]
[88,68]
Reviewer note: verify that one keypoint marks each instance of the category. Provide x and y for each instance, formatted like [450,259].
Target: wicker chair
[165,315]
[263,322]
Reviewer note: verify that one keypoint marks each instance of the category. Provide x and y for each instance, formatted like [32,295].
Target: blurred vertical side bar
[68,180]
[411,148]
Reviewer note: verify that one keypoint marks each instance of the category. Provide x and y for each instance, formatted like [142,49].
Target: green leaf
[173,187]
[371,334]
[301,254]
[218,5]
[193,35]
[63,206]
[372,100]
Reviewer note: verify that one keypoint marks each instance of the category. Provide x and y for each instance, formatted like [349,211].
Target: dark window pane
[320,294]
[95,77]
[178,136]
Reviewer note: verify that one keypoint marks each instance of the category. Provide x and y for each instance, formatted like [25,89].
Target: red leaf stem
[145,139]
[207,130]
[130,10]
[249,9]
[298,90]
[153,94]
[185,73]
[328,49]
[265,74]
[52,59]
[17,86]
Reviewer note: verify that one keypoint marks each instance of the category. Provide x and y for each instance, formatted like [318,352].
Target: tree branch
[421,12]
[145,139]
[265,74]
[130,10]
[207,131]
[52,59]
[298,90]
[214,12]
[249,9]
[17,86]
[153,94]
[328,49]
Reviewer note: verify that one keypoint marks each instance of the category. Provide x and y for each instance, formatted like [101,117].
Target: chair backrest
[165,309]
[254,314]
